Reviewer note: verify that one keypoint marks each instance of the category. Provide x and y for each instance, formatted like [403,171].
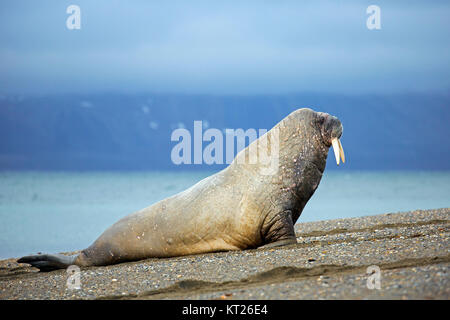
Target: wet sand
[329,261]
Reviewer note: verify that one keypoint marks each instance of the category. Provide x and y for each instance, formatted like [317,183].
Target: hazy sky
[220,46]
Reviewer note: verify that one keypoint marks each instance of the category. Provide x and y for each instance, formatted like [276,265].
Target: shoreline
[330,261]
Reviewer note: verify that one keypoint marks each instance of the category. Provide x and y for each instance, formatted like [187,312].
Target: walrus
[238,208]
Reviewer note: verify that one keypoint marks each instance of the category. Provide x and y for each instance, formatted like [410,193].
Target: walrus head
[311,134]
[331,130]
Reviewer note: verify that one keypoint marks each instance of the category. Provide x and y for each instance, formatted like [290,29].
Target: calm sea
[64,211]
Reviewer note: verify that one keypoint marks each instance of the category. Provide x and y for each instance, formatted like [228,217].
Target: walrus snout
[331,127]
[334,126]
[332,132]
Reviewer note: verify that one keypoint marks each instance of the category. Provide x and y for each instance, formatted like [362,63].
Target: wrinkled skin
[235,209]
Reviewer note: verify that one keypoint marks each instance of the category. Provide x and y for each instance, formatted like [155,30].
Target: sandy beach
[330,261]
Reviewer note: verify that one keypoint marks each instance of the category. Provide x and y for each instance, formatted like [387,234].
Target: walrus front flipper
[278,230]
[48,262]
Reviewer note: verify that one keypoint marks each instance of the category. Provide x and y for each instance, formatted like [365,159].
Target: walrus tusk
[341,151]
[335,144]
[338,150]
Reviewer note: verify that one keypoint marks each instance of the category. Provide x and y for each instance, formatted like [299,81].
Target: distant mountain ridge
[132,132]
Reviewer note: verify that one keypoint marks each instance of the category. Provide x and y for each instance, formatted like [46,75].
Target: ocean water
[65,211]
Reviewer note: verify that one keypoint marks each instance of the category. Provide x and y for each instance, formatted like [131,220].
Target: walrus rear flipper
[48,262]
